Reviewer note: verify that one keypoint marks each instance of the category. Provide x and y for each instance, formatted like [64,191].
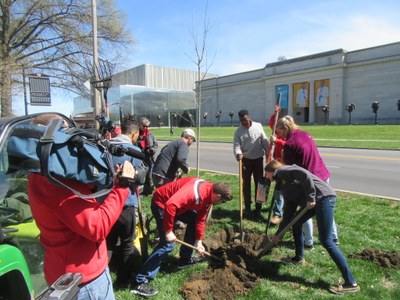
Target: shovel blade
[263,247]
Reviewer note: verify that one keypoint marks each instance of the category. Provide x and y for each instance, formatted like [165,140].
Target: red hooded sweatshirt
[73,230]
[183,195]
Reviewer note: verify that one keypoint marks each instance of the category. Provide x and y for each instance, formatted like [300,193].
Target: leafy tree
[54,37]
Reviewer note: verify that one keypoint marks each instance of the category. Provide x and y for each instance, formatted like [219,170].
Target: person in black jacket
[173,157]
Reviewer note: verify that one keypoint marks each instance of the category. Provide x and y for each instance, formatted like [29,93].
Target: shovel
[241,199]
[205,252]
[267,244]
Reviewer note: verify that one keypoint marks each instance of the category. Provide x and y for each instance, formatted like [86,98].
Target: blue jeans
[324,212]
[152,265]
[308,232]
[278,206]
[99,289]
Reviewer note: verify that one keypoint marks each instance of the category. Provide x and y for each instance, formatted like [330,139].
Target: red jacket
[183,195]
[73,230]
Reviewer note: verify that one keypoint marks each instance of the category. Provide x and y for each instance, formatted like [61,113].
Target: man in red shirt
[188,200]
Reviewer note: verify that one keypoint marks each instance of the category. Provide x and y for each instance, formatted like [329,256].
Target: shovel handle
[280,234]
[194,248]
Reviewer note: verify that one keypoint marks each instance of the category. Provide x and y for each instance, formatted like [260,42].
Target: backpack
[59,153]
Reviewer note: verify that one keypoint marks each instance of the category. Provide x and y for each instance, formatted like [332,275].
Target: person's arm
[237,151]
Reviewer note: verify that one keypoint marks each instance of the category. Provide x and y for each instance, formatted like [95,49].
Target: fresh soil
[237,273]
[232,276]
[383,259]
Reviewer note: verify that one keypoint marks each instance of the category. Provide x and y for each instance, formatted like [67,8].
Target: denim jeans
[308,232]
[278,206]
[152,265]
[100,288]
[324,212]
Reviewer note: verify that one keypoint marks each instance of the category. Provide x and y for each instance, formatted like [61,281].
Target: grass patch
[352,136]
[363,222]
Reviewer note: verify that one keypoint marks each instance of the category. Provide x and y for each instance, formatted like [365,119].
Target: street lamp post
[350,107]
[325,109]
[231,116]
[375,107]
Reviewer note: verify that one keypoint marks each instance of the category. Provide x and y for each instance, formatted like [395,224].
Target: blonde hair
[287,122]
[272,166]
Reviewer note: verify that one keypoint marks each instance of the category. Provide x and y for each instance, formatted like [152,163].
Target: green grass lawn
[352,136]
[363,222]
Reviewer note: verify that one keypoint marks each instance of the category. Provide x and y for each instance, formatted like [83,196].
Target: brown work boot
[276,220]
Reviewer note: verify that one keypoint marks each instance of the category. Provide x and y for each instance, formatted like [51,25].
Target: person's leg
[189,218]
[126,233]
[298,234]
[324,213]
[308,232]
[246,173]
[160,253]
[277,210]
[100,288]
[258,173]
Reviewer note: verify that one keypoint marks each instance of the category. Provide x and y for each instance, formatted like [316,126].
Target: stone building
[332,81]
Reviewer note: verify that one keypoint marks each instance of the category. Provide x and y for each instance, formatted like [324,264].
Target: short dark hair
[224,189]
[243,113]
[128,127]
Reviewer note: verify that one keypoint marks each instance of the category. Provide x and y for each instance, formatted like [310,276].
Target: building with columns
[314,89]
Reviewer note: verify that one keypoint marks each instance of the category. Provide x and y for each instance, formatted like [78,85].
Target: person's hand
[199,247]
[310,205]
[125,174]
[277,108]
[170,237]
[275,239]
[239,157]
[272,139]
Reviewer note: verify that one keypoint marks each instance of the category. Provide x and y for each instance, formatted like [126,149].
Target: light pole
[325,109]
[375,107]
[350,107]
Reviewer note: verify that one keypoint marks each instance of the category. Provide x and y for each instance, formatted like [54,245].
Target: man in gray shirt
[250,145]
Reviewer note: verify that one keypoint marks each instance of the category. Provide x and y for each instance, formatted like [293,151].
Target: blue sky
[247,34]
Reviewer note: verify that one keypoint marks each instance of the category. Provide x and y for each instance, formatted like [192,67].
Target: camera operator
[124,229]
[73,230]
[148,144]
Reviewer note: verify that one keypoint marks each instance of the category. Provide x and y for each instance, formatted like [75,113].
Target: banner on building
[39,87]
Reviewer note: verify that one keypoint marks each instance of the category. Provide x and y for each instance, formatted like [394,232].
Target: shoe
[187,262]
[144,289]
[344,289]
[293,261]
[276,220]
[309,247]
[336,241]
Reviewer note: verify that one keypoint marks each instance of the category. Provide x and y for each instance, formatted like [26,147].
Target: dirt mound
[232,276]
[380,258]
